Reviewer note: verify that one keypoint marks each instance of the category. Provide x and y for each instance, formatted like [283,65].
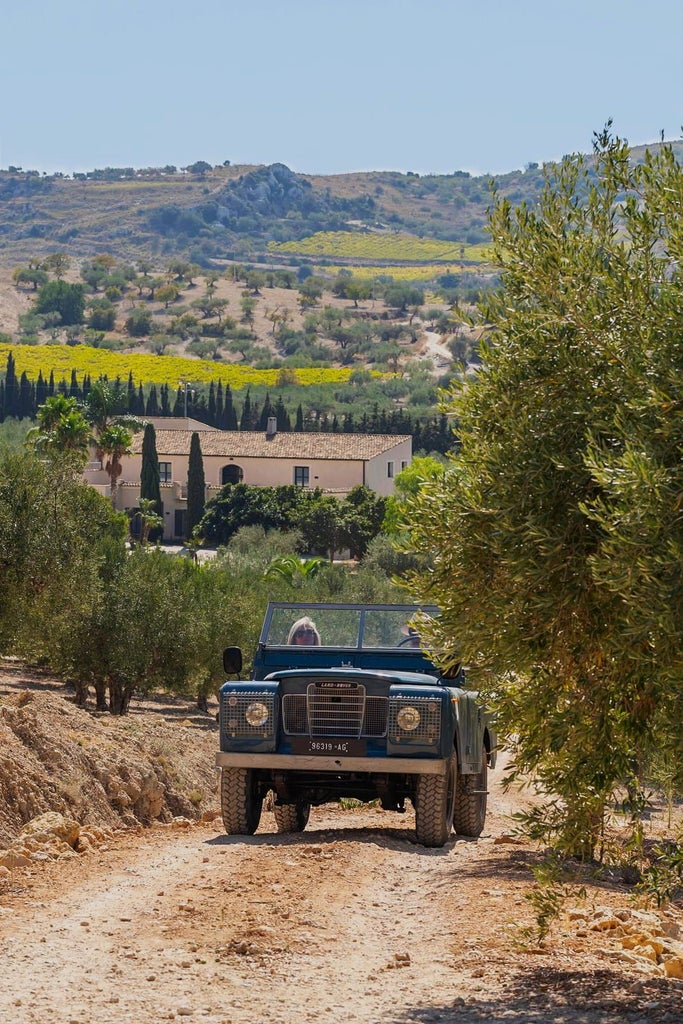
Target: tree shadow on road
[551,996]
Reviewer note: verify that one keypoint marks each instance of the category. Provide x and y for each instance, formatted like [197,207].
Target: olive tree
[52,528]
[556,534]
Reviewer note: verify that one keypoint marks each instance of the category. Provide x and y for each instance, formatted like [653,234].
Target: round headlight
[408,718]
[256,713]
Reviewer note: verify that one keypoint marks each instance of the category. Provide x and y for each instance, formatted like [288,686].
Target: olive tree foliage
[51,530]
[145,632]
[555,536]
[323,523]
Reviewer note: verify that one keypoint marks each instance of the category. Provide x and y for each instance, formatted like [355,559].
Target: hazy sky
[327,86]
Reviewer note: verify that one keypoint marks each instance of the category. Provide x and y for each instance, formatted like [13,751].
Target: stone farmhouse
[333,462]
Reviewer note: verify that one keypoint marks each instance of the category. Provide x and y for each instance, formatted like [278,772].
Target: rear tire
[434,803]
[470,801]
[241,803]
[291,817]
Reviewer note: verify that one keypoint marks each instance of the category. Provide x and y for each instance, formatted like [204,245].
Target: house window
[165,476]
[232,474]
[390,470]
[404,464]
[301,476]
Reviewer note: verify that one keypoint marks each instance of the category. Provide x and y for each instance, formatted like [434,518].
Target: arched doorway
[231,474]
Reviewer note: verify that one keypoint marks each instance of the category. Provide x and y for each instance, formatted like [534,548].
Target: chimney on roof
[271,427]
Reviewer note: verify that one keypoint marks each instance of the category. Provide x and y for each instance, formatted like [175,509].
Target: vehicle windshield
[351,626]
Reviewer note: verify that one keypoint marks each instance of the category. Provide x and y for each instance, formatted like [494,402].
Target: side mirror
[232,660]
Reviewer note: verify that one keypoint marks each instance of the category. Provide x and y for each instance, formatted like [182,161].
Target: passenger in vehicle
[412,637]
[304,633]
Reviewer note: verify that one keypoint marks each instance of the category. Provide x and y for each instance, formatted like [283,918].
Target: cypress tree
[219,405]
[152,408]
[283,421]
[299,425]
[41,389]
[165,404]
[229,414]
[11,388]
[266,413]
[150,485]
[245,422]
[27,398]
[211,409]
[196,487]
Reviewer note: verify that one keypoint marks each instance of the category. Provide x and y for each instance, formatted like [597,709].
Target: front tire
[470,801]
[291,817]
[434,804]
[241,803]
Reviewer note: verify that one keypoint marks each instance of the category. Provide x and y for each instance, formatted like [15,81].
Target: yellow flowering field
[151,369]
[398,273]
[352,245]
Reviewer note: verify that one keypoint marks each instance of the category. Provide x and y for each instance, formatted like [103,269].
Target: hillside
[222,212]
[229,212]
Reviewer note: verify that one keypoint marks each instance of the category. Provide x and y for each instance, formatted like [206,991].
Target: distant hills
[206,213]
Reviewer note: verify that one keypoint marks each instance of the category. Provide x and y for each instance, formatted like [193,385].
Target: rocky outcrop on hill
[270,201]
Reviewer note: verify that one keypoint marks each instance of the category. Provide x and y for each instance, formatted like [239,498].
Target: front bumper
[315,763]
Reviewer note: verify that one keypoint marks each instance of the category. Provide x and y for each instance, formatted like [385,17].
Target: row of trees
[216,405]
[117,622]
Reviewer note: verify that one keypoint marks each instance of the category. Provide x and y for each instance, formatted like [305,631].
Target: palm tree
[294,569]
[62,431]
[150,520]
[113,443]
[102,408]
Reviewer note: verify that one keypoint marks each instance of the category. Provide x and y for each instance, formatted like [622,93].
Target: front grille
[429,728]
[233,707]
[334,712]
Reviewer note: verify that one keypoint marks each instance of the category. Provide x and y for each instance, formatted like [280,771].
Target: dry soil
[350,921]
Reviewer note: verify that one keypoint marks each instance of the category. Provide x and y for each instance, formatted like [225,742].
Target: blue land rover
[345,701]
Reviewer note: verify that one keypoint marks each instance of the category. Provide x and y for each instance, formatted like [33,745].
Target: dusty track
[350,921]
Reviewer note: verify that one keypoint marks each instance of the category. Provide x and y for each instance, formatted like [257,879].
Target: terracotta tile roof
[285,445]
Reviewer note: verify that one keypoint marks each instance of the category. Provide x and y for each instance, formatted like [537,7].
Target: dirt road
[349,921]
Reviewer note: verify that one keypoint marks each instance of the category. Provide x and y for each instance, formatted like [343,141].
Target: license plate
[329,747]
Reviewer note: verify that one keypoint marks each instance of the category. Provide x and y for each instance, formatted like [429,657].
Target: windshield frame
[396,616]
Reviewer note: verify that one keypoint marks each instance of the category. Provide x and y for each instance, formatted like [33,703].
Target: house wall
[381,471]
